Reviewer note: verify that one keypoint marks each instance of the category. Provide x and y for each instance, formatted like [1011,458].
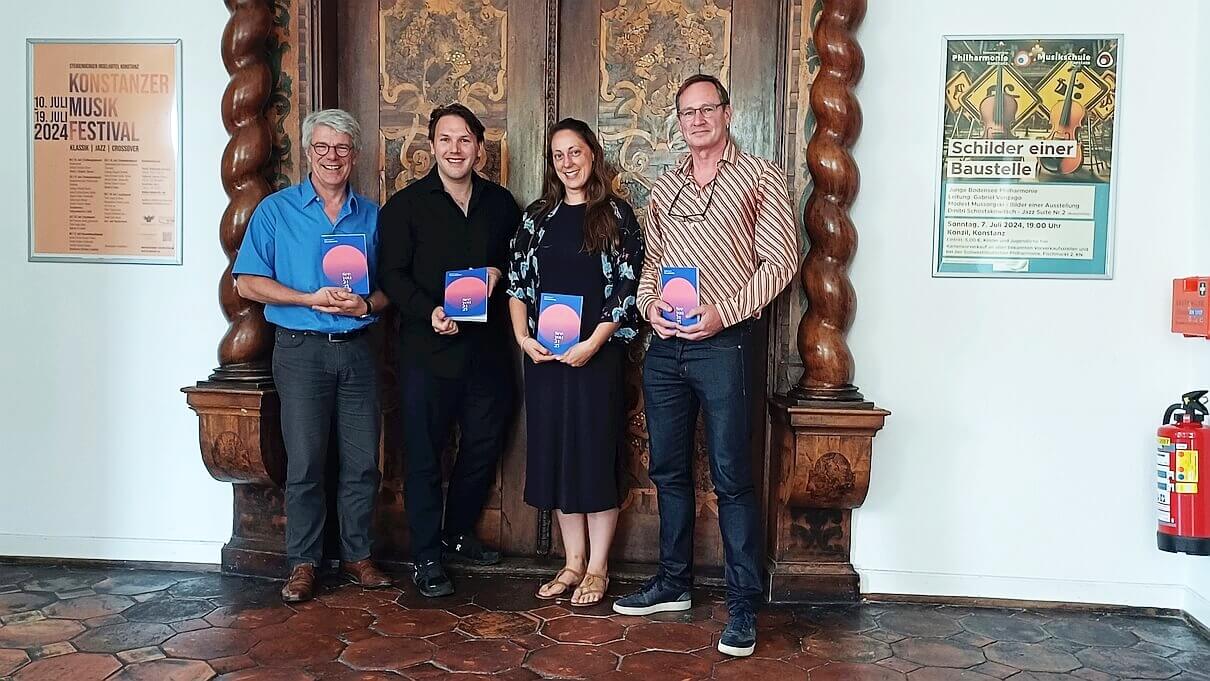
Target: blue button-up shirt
[283,242]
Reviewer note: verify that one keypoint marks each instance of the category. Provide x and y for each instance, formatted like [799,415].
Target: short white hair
[336,119]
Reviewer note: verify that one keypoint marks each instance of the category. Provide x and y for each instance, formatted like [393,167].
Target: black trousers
[315,380]
[480,402]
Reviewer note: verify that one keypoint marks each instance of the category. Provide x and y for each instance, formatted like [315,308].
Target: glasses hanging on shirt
[692,217]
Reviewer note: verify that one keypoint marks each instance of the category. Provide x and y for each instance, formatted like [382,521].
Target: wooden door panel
[616,64]
[620,65]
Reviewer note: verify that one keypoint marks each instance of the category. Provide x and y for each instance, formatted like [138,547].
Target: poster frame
[1107,267]
[177,136]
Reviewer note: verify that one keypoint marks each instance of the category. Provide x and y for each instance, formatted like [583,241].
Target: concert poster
[1026,152]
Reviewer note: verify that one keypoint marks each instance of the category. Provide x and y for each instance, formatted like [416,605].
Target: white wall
[1018,460]
[98,451]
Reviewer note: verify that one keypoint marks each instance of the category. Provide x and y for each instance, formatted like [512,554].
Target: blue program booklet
[678,288]
[344,262]
[559,321]
[466,295]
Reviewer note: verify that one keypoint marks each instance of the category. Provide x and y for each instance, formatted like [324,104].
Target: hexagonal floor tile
[77,667]
[1001,627]
[134,583]
[671,636]
[329,621]
[938,653]
[658,664]
[913,621]
[245,617]
[23,601]
[88,607]
[383,653]
[168,610]
[118,637]
[418,623]
[757,668]
[10,660]
[1126,663]
[268,674]
[499,625]
[846,647]
[844,671]
[480,657]
[568,661]
[350,596]
[1031,657]
[65,581]
[296,650]
[210,644]
[166,670]
[943,674]
[1091,632]
[577,629]
[38,633]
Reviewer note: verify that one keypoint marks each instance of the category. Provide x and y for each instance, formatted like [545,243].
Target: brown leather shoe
[301,584]
[365,574]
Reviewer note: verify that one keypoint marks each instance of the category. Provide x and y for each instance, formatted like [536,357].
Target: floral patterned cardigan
[620,268]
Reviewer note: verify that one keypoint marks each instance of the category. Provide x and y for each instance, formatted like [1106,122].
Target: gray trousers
[317,380]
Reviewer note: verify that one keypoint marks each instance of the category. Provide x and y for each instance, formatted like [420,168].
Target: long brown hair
[601,229]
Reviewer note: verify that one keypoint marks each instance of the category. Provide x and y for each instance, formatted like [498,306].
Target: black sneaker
[467,548]
[430,580]
[655,596]
[739,637]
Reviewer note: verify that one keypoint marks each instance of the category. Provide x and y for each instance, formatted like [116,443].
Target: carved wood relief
[802,66]
[648,47]
[286,166]
[432,53]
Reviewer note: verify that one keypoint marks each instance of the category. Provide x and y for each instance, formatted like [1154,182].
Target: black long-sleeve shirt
[423,234]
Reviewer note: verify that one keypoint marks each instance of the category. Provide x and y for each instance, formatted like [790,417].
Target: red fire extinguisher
[1184,503]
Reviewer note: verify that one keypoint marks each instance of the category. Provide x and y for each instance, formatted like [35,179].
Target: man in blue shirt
[323,363]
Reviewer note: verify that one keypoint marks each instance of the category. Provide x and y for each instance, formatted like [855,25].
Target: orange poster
[104,151]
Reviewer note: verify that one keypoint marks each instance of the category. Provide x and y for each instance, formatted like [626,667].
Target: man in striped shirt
[728,214]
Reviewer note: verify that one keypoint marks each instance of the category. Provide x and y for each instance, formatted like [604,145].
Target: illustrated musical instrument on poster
[1064,122]
[998,110]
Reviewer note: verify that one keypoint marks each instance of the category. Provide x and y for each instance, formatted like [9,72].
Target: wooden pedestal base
[819,470]
[240,432]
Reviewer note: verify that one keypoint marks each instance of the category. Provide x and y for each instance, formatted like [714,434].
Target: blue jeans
[679,378]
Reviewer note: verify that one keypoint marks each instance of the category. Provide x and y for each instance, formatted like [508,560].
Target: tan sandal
[542,590]
[593,585]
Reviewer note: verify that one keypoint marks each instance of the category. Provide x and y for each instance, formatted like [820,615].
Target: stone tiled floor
[77,624]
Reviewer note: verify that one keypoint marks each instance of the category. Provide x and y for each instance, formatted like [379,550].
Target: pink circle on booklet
[678,292]
[559,318]
[342,260]
[471,288]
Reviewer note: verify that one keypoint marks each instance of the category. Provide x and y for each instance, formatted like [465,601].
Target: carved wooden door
[521,65]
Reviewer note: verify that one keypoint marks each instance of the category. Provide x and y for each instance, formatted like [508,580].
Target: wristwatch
[369,307]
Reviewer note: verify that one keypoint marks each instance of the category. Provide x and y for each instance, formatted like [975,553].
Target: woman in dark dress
[578,239]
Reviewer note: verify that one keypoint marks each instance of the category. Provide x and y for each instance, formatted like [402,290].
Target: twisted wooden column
[245,348]
[831,301]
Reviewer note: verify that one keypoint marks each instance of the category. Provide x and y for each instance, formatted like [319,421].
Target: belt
[331,337]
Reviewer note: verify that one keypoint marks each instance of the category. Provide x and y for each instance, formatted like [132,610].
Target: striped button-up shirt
[738,231]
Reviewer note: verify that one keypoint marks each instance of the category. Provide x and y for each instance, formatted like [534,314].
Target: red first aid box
[1190,316]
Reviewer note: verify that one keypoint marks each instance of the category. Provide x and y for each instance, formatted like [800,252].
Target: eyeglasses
[321,149]
[681,215]
[689,114]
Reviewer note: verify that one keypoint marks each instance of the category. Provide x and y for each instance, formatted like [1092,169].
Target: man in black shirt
[451,219]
